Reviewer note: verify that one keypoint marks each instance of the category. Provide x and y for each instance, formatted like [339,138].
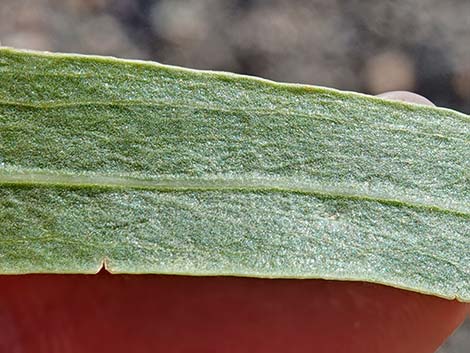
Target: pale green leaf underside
[157,169]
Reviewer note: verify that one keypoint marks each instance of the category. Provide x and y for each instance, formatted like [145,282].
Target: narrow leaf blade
[157,169]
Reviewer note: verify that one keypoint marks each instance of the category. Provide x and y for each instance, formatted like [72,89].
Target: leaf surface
[155,169]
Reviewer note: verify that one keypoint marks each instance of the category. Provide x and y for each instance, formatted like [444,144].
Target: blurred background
[366,46]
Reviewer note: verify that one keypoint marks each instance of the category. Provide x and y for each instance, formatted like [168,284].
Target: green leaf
[155,169]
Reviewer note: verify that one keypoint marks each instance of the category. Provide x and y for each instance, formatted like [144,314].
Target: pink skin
[174,314]
[405,96]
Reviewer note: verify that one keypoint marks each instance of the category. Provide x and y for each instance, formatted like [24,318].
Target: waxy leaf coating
[147,168]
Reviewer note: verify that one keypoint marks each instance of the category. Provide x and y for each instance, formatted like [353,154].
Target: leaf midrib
[207,184]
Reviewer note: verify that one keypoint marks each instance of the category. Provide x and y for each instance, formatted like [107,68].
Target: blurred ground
[366,46]
[419,45]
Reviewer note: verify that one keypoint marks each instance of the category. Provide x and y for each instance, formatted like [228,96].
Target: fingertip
[406,96]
